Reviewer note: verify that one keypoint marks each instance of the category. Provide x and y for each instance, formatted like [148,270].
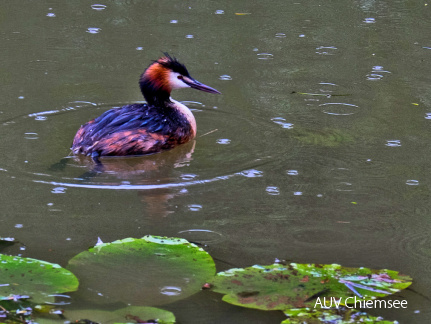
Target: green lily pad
[130,314]
[294,285]
[331,316]
[34,278]
[149,271]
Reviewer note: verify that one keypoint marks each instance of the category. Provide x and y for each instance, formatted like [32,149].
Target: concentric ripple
[40,141]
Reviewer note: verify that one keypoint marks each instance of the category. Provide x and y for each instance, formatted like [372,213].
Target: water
[336,172]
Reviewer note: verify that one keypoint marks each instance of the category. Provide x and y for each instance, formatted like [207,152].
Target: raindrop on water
[93,30]
[139,48]
[170,291]
[281,121]
[50,14]
[189,36]
[265,56]
[274,191]
[98,7]
[292,172]
[58,190]
[223,141]
[393,143]
[194,207]
[219,12]
[225,77]
[19,226]
[412,182]
[31,136]
[369,20]
[174,21]
[252,173]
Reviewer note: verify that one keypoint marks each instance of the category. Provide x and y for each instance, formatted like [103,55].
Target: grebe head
[165,75]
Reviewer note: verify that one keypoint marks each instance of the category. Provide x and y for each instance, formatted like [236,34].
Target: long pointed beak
[199,86]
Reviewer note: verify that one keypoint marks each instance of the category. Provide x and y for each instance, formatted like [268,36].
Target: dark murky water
[337,172]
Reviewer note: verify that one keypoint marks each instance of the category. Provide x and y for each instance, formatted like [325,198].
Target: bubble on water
[19,226]
[58,190]
[393,143]
[93,30]
[223,141]
[252,173]
[21,97]
[174,21]
[282,122]
[225,77]
[171,291]
[139,48]
[412,182]
[273,191]
[301,36]
[369,20]
[98,7]
[189,36]
[219,12]
[194,207]
[50,14]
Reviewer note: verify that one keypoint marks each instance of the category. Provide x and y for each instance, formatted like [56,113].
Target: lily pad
[34,278]
[149,271]
[295,285]
[331,316]
[131,314]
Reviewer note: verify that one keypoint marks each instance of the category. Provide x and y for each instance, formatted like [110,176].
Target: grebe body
[160,124]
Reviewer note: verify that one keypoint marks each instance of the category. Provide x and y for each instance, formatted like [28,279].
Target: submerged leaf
[331,316]
[34,278]
[295,285]
[149,271]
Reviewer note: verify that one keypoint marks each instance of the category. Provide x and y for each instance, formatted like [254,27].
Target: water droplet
[219,12]
[393,143]
[139,48]
[319,195]
[31,136]
[19,226]
[189,36]
[58,190]
[273,191]
[281,121]
[68,239]
[224,141]
[98,7]
[265,56]
[194,207]
[93,30]
[302,35]
[412,182]
[292,172]
[188,177]
[326,50]
[21,97]
[251,173]
[50,14]
[22,248]
[225,77]
[369,20]
[174,21]
[170,291]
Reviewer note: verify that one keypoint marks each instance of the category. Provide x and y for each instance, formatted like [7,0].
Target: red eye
[180,77]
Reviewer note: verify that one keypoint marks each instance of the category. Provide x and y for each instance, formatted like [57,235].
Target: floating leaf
[34,278]
[130,314]
[149,271]
[330,316]
[299,285]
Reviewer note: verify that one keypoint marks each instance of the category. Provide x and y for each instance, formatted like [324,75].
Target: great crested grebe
[160,124]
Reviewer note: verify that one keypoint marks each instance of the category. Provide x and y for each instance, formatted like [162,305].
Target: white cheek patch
[176,83]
